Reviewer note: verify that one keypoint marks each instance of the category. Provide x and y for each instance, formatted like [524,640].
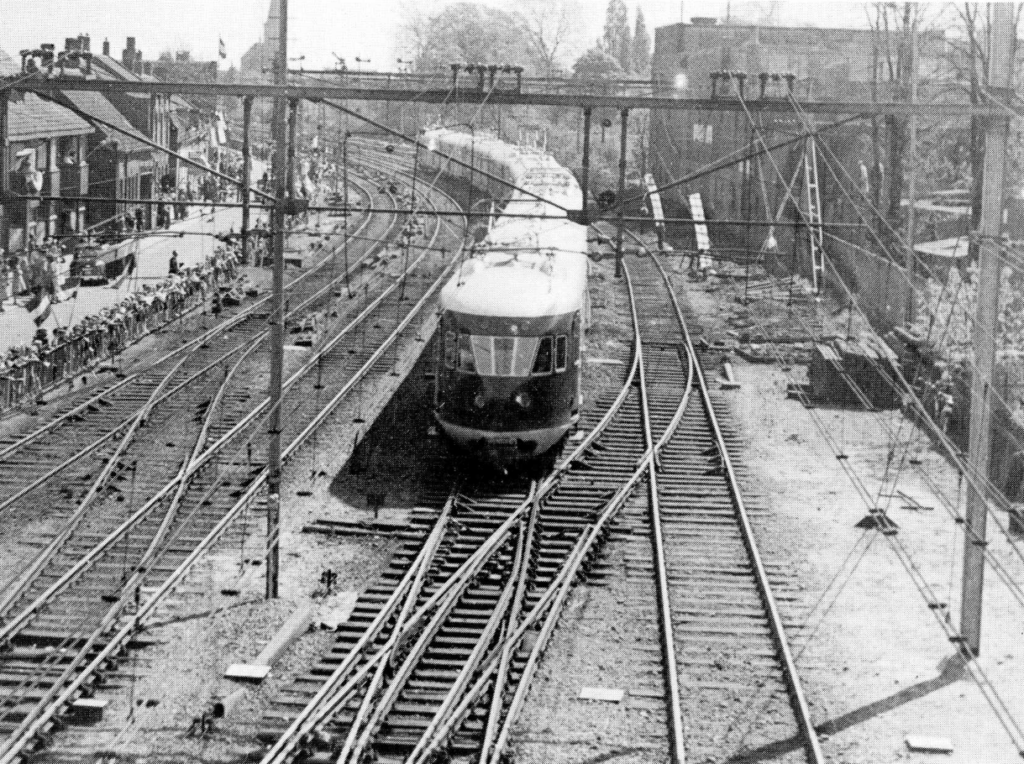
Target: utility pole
[624,118]
[277,309]
[246,174]
[5,174]
[911,258]
[586,161]
[1000,76]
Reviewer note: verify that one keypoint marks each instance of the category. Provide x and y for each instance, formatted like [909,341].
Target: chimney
[106,47]
[128,54]
[72,43]
[83,42]
[138,62]
[47,49]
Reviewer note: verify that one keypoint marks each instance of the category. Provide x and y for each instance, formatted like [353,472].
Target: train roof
[526,267]
[517,285]
[529,168]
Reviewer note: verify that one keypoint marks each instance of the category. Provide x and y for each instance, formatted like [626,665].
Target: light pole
[415,169]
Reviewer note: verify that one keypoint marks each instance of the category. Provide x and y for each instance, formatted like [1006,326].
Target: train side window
[543,363]
[450,350]
[561,352]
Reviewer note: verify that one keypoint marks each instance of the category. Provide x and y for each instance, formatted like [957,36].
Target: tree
[467,33]
[617,41]
[596,64]
[641,58]
[549,25]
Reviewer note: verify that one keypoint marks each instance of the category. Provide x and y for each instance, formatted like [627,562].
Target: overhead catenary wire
[1014,587]
[906,387]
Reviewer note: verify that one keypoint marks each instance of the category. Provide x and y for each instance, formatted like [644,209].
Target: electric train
[513,315]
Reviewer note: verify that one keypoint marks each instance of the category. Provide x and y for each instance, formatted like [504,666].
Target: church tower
[259,59]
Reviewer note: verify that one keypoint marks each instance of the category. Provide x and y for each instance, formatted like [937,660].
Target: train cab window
[561,352]
[491,356]
[504,356]
[467,354]
[542,365]
[450,350]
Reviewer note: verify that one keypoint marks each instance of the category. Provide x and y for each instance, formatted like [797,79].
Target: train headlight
[523,399]
[479,401]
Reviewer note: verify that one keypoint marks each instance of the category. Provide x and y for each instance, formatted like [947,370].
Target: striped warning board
[656,209]
[699,228]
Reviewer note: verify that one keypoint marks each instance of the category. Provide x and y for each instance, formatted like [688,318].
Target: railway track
[83,595]
[438,657]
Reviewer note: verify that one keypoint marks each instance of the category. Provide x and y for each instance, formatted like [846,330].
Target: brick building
[827,64]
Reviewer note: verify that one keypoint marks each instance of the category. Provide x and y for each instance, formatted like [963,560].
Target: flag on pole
[39,307]
[223,49]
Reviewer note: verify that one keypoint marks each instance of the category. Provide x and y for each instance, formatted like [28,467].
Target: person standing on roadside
[174,269]
[5,280]
[18,284]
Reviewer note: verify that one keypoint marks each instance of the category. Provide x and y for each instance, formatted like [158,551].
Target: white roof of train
[518,284]
[526,266]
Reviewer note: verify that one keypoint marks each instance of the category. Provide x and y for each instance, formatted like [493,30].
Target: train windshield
[499,356]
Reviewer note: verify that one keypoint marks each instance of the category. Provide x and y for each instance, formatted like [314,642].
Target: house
[46,151]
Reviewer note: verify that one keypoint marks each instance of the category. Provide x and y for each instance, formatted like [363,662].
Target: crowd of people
[32,271]
[28,370]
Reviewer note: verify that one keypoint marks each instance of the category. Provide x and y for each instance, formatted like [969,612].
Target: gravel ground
[875,663]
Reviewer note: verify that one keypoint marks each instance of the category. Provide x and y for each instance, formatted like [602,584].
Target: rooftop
[33,117]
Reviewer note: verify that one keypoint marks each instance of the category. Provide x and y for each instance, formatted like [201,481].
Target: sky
[320,28]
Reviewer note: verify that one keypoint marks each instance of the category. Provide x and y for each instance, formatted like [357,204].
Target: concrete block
[606,694]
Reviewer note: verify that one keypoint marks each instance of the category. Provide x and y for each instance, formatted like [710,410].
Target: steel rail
[646,466]
[421,565]
[201,339]
[129,586]
[107,620]
[675,715]
[511,596]
[14,747]
[801,708]
[83,505]
[127,421]
[304,724]
[25,580]
[86,561]
[501,678]
[553,595]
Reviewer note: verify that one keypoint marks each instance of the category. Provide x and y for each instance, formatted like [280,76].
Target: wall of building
[60,161]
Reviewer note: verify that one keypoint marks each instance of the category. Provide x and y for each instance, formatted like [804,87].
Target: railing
[26,377]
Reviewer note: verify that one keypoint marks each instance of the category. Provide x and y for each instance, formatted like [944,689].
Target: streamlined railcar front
[509,362]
